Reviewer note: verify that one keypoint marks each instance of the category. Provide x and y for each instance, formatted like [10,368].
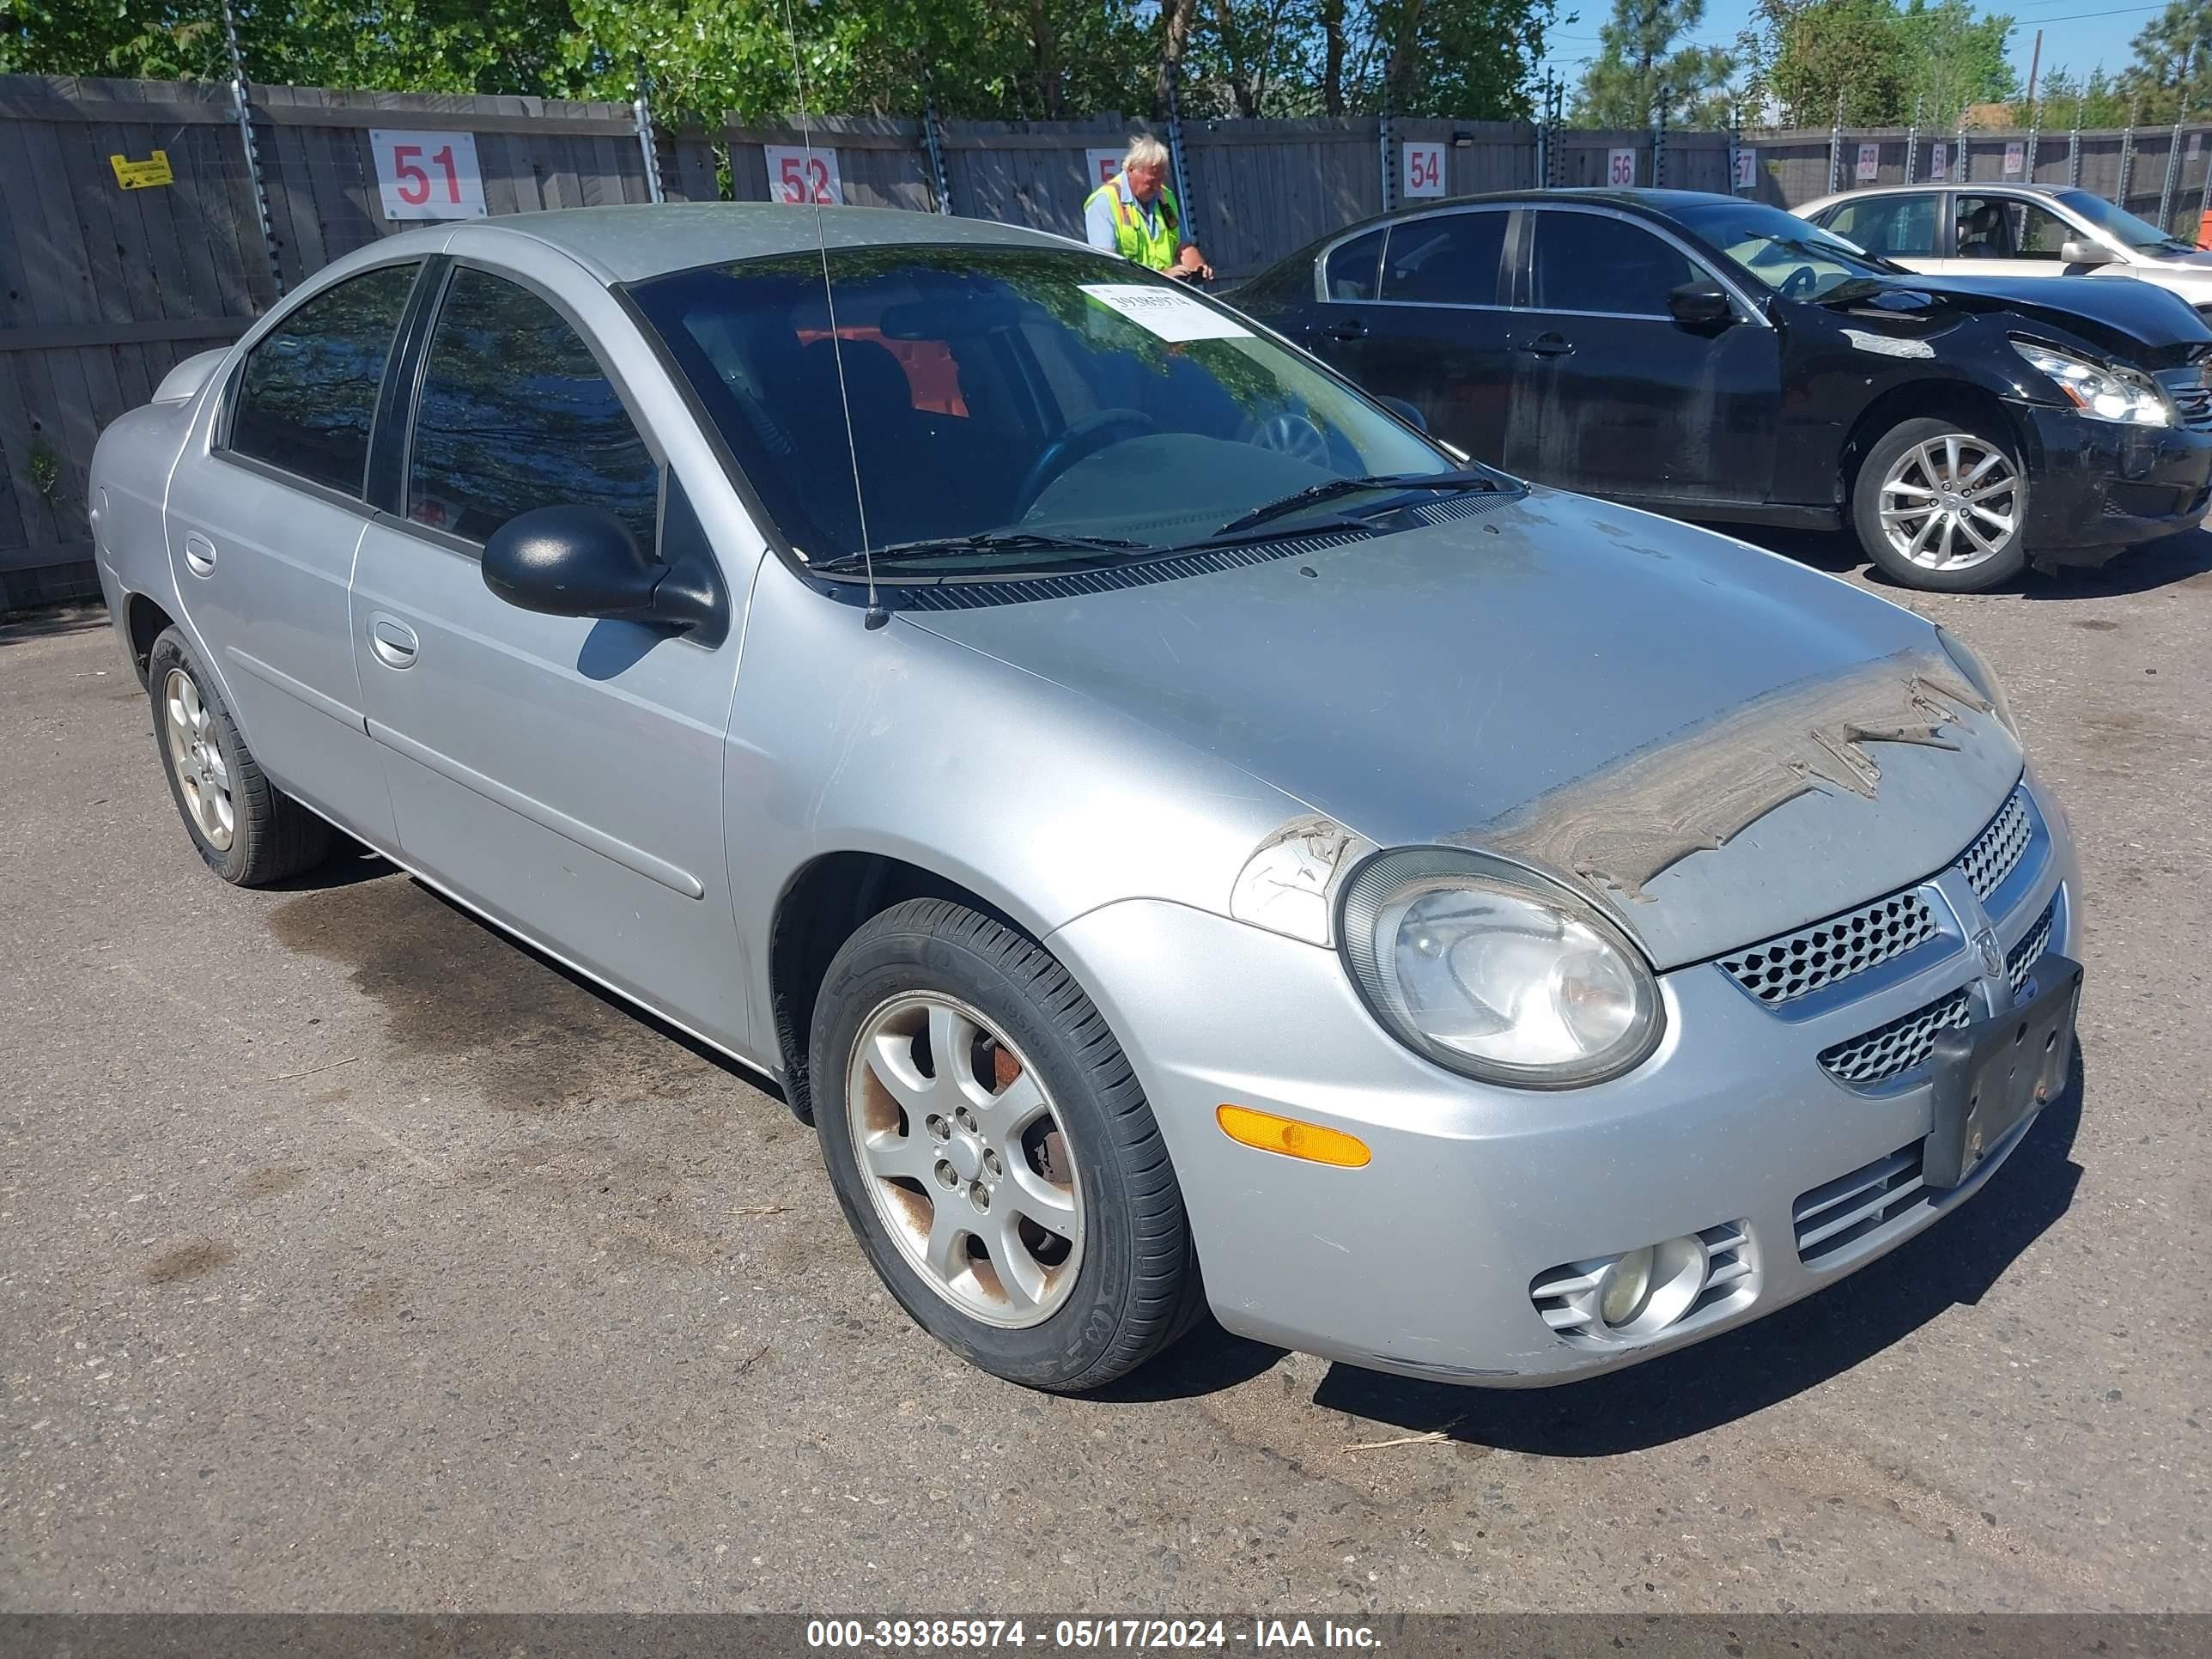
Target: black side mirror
[1700,304]
[583,562]
[1408,412]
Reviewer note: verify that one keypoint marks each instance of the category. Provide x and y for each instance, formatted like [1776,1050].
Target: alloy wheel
[1950,503]
[965,1160]
[203,775]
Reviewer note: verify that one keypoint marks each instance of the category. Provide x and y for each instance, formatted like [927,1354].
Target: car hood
[1715,743]
[2141,322]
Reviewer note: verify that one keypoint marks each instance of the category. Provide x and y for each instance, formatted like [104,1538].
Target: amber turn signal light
[1292,1139]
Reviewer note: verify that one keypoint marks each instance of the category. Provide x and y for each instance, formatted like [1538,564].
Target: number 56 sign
[427,175]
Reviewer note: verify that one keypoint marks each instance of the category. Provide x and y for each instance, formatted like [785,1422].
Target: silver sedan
[1184,838]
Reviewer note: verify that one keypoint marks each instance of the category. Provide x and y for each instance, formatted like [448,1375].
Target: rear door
[1905,226]
[263,533]
[1613,396]
[563,774]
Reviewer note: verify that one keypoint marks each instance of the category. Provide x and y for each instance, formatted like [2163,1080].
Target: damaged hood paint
[1713,742]
[2136,321]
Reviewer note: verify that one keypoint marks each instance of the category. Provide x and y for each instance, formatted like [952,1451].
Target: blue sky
[2070,40]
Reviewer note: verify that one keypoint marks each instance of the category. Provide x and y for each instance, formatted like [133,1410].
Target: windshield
[2120,225]
[1797,261]
[1022,394]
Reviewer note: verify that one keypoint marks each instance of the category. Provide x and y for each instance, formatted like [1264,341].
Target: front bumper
[1423,1262]
[2095,487]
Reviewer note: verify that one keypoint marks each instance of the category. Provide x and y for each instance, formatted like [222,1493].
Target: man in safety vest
[1136,216]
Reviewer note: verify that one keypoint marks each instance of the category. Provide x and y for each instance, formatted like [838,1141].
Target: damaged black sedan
[1720,360]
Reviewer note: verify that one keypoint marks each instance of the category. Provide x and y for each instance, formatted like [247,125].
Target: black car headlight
[2103,392]
[1493,971]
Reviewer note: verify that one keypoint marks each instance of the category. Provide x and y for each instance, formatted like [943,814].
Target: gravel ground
[359,1259]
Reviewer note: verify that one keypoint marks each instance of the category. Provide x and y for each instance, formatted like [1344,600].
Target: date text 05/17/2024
[1084,1634]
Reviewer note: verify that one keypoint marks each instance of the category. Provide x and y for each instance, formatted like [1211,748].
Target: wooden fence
[104,288]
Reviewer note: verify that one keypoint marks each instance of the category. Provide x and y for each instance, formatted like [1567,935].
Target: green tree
[1953,58]
[1851,49]
[2179,37]
[1640,71]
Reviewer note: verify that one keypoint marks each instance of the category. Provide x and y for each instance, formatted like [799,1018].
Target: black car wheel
[1940,506]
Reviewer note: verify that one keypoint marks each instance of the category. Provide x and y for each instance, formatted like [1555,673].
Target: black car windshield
[1797,261]
[2122,226]
[1035,405]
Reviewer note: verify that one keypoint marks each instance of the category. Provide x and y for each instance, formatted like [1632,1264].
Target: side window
[1988,228]
[1448,260]
[515,413]
[307,397]
[1592,262]
[1351,271]
[1900,226]
[2037,233]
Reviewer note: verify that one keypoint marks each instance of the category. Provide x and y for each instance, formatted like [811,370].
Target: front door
[1997,234]
[1611,395]
[562,775]
[262,541]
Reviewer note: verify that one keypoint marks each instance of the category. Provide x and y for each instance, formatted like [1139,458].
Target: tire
[1909,463]
[1115,1280]
[243,828]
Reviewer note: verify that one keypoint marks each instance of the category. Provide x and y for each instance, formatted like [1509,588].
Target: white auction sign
[1939,159]
[1423,168]
[427,175]
[798,174]
[1620,168]
[2015,160]
[1746,167]
[1869,168]
[1100,166]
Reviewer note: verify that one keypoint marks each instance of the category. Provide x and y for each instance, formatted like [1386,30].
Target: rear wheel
[1940,506]
[243,828]
[994,1152]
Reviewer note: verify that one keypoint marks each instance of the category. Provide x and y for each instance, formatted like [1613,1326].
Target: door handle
[1547,345]
[392,641]
[200,555]
[1350,329]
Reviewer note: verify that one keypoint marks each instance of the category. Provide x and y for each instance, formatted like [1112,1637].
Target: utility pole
[2034,62]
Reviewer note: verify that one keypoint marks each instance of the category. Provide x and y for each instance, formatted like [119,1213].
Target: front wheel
[1943,508]
[993,1153]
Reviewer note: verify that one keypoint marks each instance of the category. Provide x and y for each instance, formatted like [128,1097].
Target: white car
[2014,230]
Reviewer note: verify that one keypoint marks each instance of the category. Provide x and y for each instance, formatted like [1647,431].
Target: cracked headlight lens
[1494,972]
[2103,392]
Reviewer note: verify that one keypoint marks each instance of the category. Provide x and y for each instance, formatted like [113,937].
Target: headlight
[2101,391]
[1980,676]
[1494,972]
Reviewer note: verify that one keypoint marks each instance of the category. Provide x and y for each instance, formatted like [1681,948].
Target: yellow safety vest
[1156,249]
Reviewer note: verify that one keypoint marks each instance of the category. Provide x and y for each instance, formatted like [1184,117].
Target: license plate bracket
[1994,1072]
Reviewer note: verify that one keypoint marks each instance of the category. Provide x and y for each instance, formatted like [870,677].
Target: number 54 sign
[427,175]
[798,174]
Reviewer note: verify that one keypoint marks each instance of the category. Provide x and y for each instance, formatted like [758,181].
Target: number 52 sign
[427,175]
[795,174]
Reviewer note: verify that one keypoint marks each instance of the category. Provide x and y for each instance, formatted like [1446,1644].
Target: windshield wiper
[1329,488]
[1005,541]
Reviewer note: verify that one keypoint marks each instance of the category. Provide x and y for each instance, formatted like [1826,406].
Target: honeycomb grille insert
[1797,964]
[2020,961]
[1891,1050]
[1997,850]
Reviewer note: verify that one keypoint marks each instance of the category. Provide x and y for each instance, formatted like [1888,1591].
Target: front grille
[1997,848]
[2191,391]
[1889,1051]
[2021,960]
[1797,964]
[1838,1214]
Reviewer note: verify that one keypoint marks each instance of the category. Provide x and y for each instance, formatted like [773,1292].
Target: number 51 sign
[427,175]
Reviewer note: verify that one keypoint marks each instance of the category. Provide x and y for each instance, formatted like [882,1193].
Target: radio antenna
[876,616]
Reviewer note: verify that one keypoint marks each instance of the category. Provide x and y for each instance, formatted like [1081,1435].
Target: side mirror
[2081,251]
[1408,412]
[1700,304]
[583,562]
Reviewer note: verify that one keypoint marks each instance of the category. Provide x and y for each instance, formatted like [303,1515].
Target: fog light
[1622,1287]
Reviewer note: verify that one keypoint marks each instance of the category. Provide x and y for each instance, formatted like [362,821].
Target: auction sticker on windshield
[1170,315]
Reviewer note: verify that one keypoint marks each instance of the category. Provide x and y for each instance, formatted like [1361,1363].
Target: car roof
[1976,186]
[628,243]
